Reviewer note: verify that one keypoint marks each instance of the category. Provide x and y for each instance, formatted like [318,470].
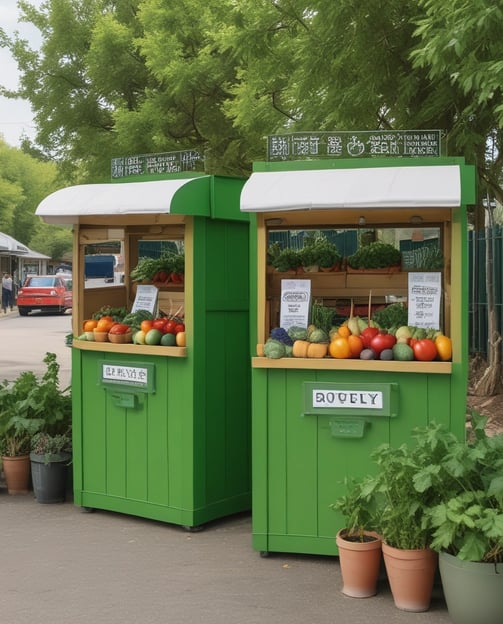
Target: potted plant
[375,256]
[50,457]
[466,520]
[328,255]
[287,260]
[17,424]
[399,517]
[359,547]
[29,405]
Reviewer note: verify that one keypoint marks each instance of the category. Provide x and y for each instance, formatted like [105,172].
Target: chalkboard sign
[151,164]
[353,144]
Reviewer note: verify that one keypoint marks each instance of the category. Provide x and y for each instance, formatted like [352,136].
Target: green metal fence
[478,299]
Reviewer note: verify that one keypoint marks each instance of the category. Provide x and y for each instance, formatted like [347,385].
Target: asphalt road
[26,339]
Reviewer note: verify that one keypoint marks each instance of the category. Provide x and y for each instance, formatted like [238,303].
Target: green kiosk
[303,449]
[162,432]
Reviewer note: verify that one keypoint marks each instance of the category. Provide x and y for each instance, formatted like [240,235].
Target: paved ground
[60,565]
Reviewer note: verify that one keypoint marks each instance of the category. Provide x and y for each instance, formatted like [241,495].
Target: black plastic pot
[50,477]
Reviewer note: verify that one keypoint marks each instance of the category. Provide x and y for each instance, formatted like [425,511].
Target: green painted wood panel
[300,467]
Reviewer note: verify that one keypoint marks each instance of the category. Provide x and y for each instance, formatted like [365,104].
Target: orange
[105,323]
[355,345]
[90,324]
[344,331]
[146,326]
[339,348]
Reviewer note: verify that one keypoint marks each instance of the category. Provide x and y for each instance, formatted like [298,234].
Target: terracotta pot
[17,473]
[360,563]
[410,574]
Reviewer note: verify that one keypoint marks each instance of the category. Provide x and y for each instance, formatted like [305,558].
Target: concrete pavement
[61,565]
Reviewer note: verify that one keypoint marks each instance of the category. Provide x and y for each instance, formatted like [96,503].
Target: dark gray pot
[50,477]
[473,591]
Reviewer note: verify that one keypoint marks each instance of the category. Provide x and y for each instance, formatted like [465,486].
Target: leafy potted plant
[359,547]
[29,405]
[17,424]
[466,520]
[375,256]
[287,260]
[50,457]
[400,505]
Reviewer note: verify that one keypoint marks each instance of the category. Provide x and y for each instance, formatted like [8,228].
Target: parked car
[48,293]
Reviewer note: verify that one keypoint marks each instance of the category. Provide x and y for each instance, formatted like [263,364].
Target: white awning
[68,204]
[11,247]
[376,187]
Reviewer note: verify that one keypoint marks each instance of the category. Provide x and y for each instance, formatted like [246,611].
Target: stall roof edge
[68,204]
[407,184]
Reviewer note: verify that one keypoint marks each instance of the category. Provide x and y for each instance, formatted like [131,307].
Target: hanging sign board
[425,291]
[146,298]
[353,144]
[295,303]
[151,164]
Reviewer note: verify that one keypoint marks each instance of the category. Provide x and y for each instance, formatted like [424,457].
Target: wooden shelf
[110,347]
[327,363]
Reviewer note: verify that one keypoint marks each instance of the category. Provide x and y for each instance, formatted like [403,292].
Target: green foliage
[357,507]
[29,405]
[43,443]
[393,315]
[287,260]
[376,255]
[318,250]
[467,519]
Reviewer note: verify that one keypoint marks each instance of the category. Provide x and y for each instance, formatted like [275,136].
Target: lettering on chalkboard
[152,164]
[353,144]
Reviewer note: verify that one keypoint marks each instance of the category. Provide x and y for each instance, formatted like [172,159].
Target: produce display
[360,338]
[117,325]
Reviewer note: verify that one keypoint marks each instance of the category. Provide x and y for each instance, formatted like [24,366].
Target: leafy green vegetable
[274,349]
[376,255]
[393,315]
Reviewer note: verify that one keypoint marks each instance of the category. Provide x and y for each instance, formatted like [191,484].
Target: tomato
[159,324]
[339,348]
[382,341]
[163,276]
[367,334]
[169,328]
[146,325]
[424,350]
[444,348]
[179,327]
[118,328]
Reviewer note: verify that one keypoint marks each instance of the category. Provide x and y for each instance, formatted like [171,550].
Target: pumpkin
[317,349]
[300,348]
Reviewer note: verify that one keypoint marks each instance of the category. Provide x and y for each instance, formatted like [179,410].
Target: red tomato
[367,334]
[382,341]
[180,327]
[118,328]
[169,328]
[424,350]
[159,324]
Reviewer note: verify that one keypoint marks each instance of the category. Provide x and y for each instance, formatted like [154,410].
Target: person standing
[7,301]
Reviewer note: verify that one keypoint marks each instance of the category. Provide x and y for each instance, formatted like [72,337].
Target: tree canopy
[138,76]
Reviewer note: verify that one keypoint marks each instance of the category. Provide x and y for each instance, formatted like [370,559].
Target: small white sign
[366,399]
[125,374]
[146,298]
[295,303]
[425,291]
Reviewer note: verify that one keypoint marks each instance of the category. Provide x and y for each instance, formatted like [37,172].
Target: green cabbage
[274,349]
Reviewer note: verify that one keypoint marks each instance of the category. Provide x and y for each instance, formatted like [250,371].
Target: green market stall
[162,432]
[304,442]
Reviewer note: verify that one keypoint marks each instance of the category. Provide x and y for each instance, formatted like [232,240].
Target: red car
[48,293]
